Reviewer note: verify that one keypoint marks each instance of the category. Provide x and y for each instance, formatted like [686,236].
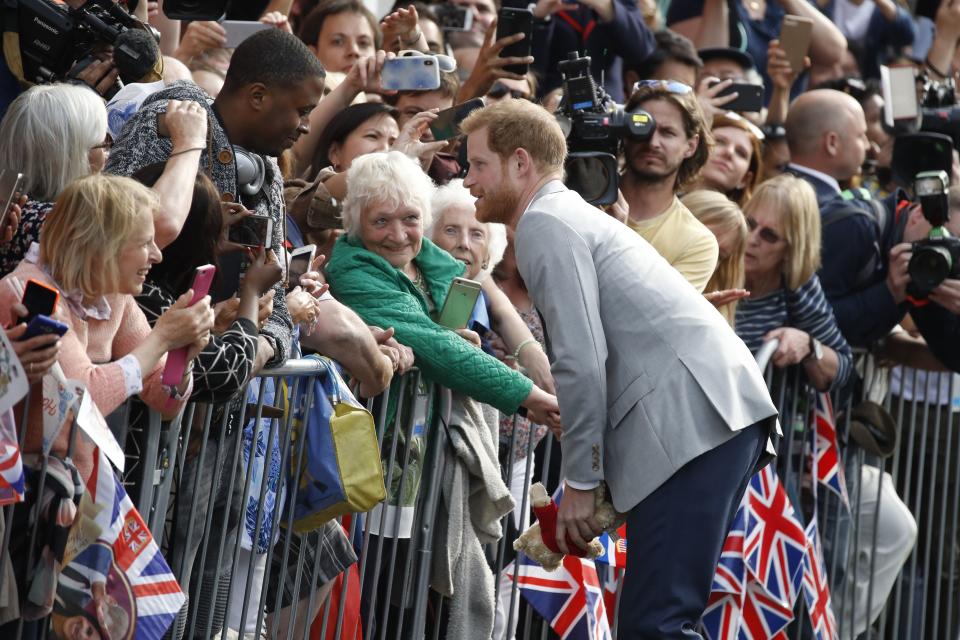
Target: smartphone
[795,33]
[509,22]
[11,183]
[459,304]
[253,231]
[453,18]
[899,88]
[39,299]
[447,123]
[410,73]
[240,30]
[749,96]
[177,359]
[300,261]
[42,325]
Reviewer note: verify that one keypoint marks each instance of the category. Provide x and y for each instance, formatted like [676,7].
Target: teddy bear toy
[539,541]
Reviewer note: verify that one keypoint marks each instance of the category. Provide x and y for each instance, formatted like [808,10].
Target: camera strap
[584,31]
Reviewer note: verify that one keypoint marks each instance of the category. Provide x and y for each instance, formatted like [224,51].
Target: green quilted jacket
[384,296]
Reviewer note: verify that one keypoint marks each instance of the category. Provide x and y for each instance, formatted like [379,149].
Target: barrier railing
[211,485]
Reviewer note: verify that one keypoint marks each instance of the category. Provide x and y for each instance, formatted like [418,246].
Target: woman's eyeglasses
[671,86]
[499,90]
[766,234]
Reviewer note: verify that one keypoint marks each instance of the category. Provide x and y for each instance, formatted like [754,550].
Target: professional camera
[939,110]
[937,257]
[55,40]
[594,125]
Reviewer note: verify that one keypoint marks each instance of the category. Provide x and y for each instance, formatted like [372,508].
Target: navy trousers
[675,537]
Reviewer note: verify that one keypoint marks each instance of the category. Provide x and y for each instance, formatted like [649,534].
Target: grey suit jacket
[649,375]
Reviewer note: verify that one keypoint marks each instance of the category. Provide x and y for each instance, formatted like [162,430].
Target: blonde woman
[96,249]
[786,301]
[725,220]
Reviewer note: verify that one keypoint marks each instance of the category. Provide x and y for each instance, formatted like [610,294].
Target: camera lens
[929,266]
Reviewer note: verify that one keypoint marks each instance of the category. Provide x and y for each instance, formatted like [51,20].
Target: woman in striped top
[786,301]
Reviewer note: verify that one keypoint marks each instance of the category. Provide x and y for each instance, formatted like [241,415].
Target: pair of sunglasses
[766,234]
[670,86]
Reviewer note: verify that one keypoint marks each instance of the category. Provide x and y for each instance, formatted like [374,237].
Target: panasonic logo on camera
[46,26]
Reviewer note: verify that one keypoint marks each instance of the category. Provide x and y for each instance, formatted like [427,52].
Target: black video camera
[937,257]
[56,41]
[594,125]
[939,110]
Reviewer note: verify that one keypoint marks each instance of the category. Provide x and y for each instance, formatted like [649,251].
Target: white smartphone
[300,261]
[411,73]
[899,87]
[240,30]
[11,183]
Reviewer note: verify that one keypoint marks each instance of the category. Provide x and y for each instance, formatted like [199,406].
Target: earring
[485,264]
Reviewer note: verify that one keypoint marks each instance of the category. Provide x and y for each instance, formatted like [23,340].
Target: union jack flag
[827,463]
[11,465]
[570,598]
[759,617]
[721,618]
[775,542]
[144,581]
[731,575]
[816,590]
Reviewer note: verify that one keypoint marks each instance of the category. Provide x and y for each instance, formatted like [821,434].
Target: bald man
[827,136]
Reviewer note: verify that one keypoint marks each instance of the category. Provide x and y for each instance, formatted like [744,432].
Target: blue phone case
[410,73]
[42,325]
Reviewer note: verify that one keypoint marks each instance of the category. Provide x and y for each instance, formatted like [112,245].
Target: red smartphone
[40,300]
[177,359]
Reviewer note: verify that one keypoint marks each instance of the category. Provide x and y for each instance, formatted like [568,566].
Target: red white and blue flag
[138,578]
[827,463]
[570,598]
[614,551]
[774,542]
[816,590]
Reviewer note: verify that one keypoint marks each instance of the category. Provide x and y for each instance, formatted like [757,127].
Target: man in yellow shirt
[659,168]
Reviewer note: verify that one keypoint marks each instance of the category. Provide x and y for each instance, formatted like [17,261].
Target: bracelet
[177,153]
[415,39]
[516,352]
[930,66]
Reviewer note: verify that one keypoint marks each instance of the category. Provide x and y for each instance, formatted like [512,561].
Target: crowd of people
[625,328]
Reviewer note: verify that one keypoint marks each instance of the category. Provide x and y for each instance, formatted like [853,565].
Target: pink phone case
[177,359]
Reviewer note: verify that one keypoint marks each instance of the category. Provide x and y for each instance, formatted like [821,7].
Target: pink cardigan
[87,354]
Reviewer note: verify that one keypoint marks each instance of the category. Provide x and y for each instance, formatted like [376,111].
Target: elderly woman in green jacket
[386,271]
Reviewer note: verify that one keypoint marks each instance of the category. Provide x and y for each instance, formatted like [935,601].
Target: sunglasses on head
[766,234]
[670,86]
[499,90]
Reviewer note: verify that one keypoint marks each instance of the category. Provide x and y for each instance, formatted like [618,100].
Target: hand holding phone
[11,185]
[239,30]
[177,358]
[749,96]
[300,261]
[252,231]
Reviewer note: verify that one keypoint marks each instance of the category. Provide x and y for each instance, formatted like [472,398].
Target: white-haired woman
[394,277]
[57,133]
[480,247]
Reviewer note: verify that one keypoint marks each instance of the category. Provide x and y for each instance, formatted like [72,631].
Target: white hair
[454,195]
[391,178]
[47,134]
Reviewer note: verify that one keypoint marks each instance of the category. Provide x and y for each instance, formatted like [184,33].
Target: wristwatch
[816,350]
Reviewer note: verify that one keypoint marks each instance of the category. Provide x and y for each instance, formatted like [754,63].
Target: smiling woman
[96,248]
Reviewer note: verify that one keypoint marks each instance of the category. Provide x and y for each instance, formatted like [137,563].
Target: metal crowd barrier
[230,544]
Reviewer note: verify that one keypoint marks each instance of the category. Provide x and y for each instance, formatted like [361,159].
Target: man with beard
[658,397]
[659,168]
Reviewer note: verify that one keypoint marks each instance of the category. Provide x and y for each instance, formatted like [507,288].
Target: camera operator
[106,47]
[658,168]
[937,314]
